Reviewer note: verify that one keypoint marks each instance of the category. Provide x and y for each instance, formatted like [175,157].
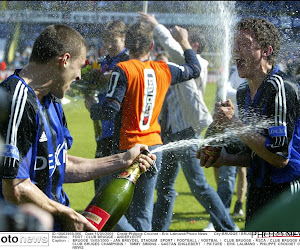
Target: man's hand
[145,161]
[73,221]
[208,161]
[224,114]
[181,36]
[148,19]
[89,100]
[20,191]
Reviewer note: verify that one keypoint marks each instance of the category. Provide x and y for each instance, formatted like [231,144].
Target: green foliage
[86,69]
[189,215]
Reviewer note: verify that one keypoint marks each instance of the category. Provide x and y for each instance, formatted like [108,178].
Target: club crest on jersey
[149,98]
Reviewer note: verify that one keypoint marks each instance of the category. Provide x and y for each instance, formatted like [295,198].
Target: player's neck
[38,77]
[257,79]
[142,58]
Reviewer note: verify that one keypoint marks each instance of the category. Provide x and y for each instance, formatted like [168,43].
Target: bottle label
[97,216]
[212,151]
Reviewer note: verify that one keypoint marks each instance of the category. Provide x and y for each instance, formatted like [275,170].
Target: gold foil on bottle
[132,173]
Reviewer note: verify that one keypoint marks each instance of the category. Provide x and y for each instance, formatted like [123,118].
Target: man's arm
[114,97]
[165,39]
[192,68]
[81,169]
[256,142]
[224,114]
[21,191]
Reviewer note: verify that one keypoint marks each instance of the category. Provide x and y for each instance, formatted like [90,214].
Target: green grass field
[188,215]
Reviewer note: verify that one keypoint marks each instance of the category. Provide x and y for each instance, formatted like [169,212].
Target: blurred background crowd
[22,21]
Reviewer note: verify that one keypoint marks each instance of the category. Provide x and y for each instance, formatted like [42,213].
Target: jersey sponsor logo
[10,151]
[149,98]
[43,137]
[277,131]
[42,163]
[55,160]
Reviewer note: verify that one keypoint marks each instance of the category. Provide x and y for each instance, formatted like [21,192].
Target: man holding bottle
[268,104]
[35,163]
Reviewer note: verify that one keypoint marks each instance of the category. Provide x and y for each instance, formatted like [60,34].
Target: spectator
[184,122]
[114,41]
[136,94]
[2,65]
[17,63]
[26,54]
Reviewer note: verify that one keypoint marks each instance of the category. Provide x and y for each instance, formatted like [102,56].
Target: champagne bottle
[215,146]
[113,200]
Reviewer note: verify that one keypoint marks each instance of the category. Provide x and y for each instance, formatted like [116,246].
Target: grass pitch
[188,214]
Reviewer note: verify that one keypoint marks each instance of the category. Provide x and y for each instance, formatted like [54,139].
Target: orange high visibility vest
[148,83]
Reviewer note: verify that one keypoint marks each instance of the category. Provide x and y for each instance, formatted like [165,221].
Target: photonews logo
[24,239]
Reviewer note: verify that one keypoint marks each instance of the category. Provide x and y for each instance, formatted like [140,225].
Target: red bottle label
[97,216]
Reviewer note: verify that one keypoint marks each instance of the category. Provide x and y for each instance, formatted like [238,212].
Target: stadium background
[22,21]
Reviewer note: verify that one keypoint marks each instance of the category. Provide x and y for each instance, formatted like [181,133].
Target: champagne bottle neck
[133,172]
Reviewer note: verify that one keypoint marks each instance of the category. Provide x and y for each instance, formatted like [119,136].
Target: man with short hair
[35,162]
[268,104]
[184,116]
[136,94]
[113,37]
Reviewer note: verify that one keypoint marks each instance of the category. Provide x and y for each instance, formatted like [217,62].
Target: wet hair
[196,35]
[139,38]
[114,28]
[55,41]
[264,32]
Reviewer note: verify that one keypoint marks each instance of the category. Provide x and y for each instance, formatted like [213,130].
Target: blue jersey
[108,64]
[273,111]
[292,171]
[36,139]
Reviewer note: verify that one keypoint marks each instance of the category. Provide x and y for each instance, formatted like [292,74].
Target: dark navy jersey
[36,139]
[273,113]
[108,64]
[294,154]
